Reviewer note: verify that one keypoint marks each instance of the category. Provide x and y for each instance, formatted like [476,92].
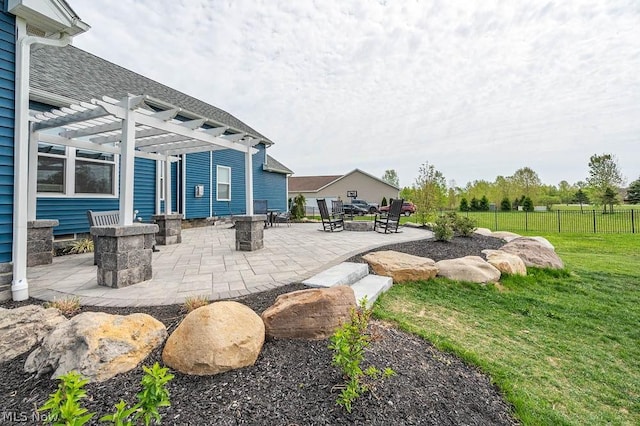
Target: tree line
[602,187]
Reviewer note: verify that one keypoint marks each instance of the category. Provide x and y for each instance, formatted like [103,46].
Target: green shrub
[505,205]
[462,225]
[464,205]
[443,229]
[527,205]
[84,245]
[348,344]
[299,207]
[384,202]
[63,406]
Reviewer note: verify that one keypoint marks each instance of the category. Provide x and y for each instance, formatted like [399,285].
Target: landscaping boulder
[309,314]
[401,266]
[534,253]
[469,268]
[505,235]
[97,345]
[544,242]
[215,338]
[506,263]
[484,231]
[21,329]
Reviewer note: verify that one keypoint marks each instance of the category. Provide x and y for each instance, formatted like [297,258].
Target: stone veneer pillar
[123,253]
[40,241]
[250,232]
[170,228]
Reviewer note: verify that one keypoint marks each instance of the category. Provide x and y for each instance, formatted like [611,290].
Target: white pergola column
[32,186]
[248,176]
[167,185]
[127,159]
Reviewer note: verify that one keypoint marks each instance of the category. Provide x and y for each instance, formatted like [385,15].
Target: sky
[476,88]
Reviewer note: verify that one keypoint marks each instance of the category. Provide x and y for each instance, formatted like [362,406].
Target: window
[71,171]
[223,183]
[51,168]
[94,172]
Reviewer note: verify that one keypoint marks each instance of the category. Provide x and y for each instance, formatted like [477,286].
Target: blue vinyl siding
[198,173]
[268,186]
[7,102]
[72,212]
[174,186]
[235,160]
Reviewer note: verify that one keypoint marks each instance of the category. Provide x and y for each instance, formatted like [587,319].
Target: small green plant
[348,344]
[192,303]
[299,207]
[461,225]
[68,306]
[443,229]
[84,245]
[63,406]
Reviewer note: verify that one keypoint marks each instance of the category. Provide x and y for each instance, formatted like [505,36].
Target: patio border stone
[250,232]
[40,241]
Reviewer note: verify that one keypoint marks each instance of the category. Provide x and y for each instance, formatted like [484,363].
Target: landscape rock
[23,328]
[544,242]
[97,345]
[309,314]
[401,266]
[484,231]
[469,268]
[534,253]
[506,263]
[505,235]
[215,338]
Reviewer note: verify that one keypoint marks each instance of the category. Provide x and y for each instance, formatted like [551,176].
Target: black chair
[261,207]
[390,221]
[337,209]
[329,223]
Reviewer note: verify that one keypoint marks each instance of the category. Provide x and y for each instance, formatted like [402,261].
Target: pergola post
[167,185]
[248,176]
[127,159]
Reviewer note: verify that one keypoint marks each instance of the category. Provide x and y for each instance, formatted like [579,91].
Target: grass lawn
[563,346]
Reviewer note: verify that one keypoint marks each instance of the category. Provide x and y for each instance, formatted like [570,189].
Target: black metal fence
[587,221]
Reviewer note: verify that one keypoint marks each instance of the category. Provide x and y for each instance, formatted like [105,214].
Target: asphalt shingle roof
[79,75]
[310,183]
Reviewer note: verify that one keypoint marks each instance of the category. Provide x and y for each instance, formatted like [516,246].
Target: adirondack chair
[337,209]
[261,207]
[389,222]
[329,223]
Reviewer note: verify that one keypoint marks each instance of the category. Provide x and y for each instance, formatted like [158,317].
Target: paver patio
[206,263]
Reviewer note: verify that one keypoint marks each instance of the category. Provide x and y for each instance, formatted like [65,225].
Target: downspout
[19,285]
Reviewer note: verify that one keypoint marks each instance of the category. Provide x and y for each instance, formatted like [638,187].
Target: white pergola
[131,128]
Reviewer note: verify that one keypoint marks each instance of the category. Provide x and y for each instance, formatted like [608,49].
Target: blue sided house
[79,133]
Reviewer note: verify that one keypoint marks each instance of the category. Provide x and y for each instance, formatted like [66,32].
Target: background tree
[527,204]
[464,205]
[474,206]
[565,191]
[383,202]
[430,192]
[609,199]
[391,177]
[505,204]
[407,194]
[527,182]
[581,198]
[484,204]
[604,174]
[633,193]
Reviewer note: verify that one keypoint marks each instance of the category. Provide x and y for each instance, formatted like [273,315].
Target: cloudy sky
[478,89]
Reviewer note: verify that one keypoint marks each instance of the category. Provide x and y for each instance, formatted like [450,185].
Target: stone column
[40,241]
[170,228]
[123,253]
[250,232]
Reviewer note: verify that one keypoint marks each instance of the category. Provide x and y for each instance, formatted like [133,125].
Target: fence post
[495,214]
[558,221]
[633,225]
[594,221]
[526,220]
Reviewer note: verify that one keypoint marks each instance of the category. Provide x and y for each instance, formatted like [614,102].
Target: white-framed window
[75,172]
[223,183]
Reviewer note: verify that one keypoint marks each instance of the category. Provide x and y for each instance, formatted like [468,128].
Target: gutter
[20,285]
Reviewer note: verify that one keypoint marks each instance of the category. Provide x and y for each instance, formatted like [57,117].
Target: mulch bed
[293,382]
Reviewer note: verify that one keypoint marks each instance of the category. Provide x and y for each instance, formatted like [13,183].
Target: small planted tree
[475,205]
[383,202]
[299,207]
[505,205]
[527,205]
[464,205]
[484,204]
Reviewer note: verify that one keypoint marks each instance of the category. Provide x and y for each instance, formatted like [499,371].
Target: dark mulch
[293,382]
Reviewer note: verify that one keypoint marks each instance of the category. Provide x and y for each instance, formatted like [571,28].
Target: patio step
[371,286]
[345,273]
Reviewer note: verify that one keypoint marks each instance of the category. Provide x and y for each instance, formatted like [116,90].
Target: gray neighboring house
[333,187]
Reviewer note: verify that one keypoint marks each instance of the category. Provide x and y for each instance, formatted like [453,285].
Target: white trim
[210,183]
[218,182]
[184,186]
[248,182]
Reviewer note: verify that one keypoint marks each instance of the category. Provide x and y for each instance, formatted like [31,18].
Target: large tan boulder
[484,231]
[469,268]
[401,266]
[215,338]
[21,329]
[309,314]
[97,345]
[505,235]
[534,253]
[506,263]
